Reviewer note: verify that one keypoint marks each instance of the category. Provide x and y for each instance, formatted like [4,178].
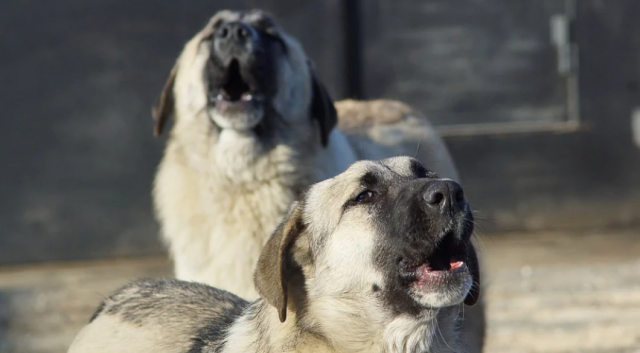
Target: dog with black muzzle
[376,259]
[253,127]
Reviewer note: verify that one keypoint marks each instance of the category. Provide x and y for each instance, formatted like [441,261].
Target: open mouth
[235,88]
[445,261]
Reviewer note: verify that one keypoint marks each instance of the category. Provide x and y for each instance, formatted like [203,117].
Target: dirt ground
[546,292]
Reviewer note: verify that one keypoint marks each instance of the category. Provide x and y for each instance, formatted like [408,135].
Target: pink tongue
[455,264]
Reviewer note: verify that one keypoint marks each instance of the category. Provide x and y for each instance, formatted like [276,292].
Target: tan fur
[367,113]
[154,316]
[218,196]
[130,337]
[318,267]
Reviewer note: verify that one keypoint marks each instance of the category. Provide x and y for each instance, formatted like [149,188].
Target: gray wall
[78,156]
[77,151]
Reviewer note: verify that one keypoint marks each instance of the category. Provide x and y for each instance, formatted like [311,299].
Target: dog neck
[240,160]
[260,330]
[370,328]
[210,200]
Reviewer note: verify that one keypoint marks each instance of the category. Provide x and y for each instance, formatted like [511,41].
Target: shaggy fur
[228,176]
[339,274]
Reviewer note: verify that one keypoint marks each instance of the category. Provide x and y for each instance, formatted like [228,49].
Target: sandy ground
[546,292]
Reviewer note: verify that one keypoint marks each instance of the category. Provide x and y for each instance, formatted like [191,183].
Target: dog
[253,127]
[376,259]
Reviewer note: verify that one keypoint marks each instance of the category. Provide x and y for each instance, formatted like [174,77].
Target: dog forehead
[407,167]
[360,168]
[324,200]
[334,190]
[351,177]
[385,169]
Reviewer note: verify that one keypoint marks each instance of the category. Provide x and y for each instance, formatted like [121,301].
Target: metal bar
[353,62]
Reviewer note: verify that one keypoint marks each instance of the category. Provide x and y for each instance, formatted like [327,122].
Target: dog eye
[364,196]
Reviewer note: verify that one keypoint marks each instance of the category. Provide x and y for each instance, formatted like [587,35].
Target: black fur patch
[369,180]
[258,65]
[97,312]
[213,334]
[411,232]
[420,171]
[205,310]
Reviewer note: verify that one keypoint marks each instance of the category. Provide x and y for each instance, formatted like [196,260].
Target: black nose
[444,196]
[234,32]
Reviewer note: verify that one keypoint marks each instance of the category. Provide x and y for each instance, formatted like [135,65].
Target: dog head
[387,236]
[244,74]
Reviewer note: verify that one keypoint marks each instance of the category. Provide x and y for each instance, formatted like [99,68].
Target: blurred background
[538,100]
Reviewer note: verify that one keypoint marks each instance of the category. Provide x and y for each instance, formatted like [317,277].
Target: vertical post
[351,24]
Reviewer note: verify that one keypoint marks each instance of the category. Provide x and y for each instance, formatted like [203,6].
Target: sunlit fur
[219,193]
[331,305]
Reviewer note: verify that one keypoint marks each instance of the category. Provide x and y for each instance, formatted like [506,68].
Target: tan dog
[377,259]
[253,128]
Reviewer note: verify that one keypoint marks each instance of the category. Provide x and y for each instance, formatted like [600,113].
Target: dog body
[217,217]
[254,127]
[220,191]
[216,224]
[376,259]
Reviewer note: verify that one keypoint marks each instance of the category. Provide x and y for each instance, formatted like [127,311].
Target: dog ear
[474,267]
[322,109]
[275,267]
[165,106]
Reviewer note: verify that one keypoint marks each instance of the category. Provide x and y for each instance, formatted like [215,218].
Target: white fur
[408,335]
[439,299]
[217,219]
[219,194]
[332,305]
[109,333]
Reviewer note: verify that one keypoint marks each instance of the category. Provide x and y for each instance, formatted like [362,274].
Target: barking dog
[376,259]
[253,127]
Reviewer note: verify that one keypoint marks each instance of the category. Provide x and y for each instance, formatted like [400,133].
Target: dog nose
[444,196]
[234,32]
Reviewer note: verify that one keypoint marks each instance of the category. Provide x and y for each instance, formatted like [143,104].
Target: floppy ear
[274,265]
[322,109]
[474,267]
[164,109]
